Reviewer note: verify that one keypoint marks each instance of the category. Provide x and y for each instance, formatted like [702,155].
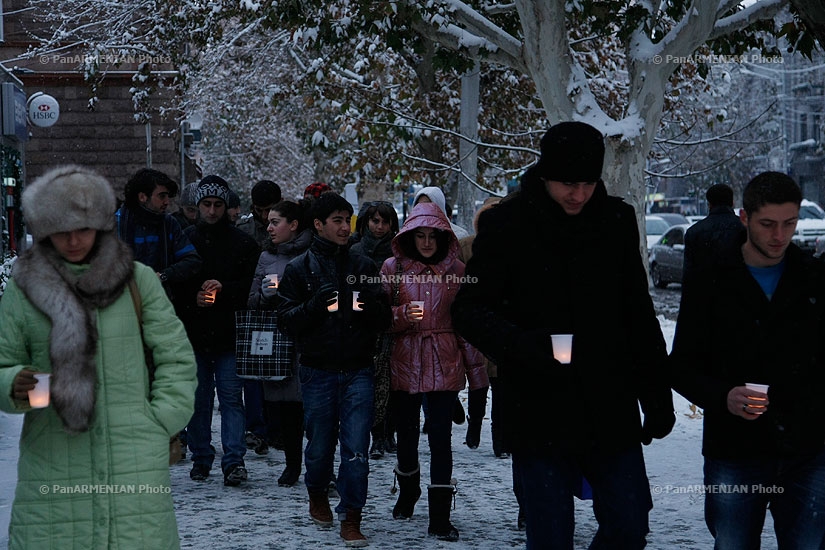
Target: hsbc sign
[44,110]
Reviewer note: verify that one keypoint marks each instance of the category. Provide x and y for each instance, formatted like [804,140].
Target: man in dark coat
[207,304]
[717,238]
[560,256]
[759,320]
[336,344]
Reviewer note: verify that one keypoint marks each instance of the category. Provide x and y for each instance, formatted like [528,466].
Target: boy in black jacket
[336,341]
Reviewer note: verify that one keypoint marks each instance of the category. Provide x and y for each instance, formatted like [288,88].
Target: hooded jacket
[429,356]
[580,275]
[78,323]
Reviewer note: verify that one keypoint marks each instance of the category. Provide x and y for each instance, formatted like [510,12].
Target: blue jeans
[339,402]
[217,371]
[738,493]
[621,498]
[407,409]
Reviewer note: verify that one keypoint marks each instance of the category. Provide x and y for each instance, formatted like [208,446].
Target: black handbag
[262,351]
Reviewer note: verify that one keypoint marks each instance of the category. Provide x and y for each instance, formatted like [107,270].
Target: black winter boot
[440,498]
[410,491]
[292,429]
[458,411]
[476,407]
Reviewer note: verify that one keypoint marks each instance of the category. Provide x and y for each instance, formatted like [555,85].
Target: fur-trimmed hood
[68,294]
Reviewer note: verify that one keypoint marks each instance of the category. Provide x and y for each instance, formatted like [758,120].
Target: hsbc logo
[43,108]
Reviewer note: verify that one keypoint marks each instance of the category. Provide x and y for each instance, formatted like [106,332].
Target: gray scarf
[69,300]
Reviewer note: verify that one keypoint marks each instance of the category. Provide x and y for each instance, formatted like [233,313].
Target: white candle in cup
[356,304]
[39,396]
[418,304]
[334,306]
[273,280]
[562,347]
[761,388]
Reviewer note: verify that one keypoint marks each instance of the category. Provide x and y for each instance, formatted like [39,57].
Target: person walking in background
[717,238]
[187,213]
[265,194]
[233,206]
[529,285]
[758,318]
[207,305]
[154,236]
[68,310]
[378,224]
[290,236]
[436,195]
[336,343]
[477,400]
[428,358]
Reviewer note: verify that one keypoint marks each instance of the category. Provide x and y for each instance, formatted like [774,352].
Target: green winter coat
[108,487]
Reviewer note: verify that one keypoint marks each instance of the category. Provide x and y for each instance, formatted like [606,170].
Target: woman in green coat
[93,469]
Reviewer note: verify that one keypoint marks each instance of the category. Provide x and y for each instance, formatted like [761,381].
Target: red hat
[316,189]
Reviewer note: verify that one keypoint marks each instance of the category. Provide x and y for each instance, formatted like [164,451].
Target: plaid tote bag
[262,351]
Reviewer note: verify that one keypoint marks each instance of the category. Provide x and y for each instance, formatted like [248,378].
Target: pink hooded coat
[428,355]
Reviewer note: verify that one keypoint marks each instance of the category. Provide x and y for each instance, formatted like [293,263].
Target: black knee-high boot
[409,485]
[292,428]
[440,498]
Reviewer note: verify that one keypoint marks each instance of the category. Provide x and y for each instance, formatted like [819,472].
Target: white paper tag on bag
[261,342]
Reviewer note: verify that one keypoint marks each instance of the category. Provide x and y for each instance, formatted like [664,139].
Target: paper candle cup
[209,296]
[420,305]
[334,306]
[39,396]
[562,347]
[356,304]
[273,280]
[761,388]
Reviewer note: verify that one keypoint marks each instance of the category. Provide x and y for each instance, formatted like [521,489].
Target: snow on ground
[263,515]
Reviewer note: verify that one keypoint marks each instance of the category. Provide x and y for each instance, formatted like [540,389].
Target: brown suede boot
[319,509]
[351,530]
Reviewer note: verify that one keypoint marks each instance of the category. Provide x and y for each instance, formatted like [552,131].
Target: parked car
[655,227]
[811,225]
[667,257]
[673,218]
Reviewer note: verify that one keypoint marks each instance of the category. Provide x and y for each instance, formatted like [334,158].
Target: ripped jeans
[338,403]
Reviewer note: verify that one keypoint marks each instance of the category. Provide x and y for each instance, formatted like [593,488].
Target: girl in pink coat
[428,357]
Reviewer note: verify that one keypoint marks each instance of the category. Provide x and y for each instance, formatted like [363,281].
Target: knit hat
[188,194]
[571,152]
[316,189]
[265,193]
[212,186]
[66,199]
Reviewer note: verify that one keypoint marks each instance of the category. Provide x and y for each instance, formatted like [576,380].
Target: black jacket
[343,340]
[728,334]
[715,240]
[229,256]
[539,271]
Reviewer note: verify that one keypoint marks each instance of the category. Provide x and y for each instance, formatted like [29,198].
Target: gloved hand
[534,348]
[268,289]
[323,297]
[658,423]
